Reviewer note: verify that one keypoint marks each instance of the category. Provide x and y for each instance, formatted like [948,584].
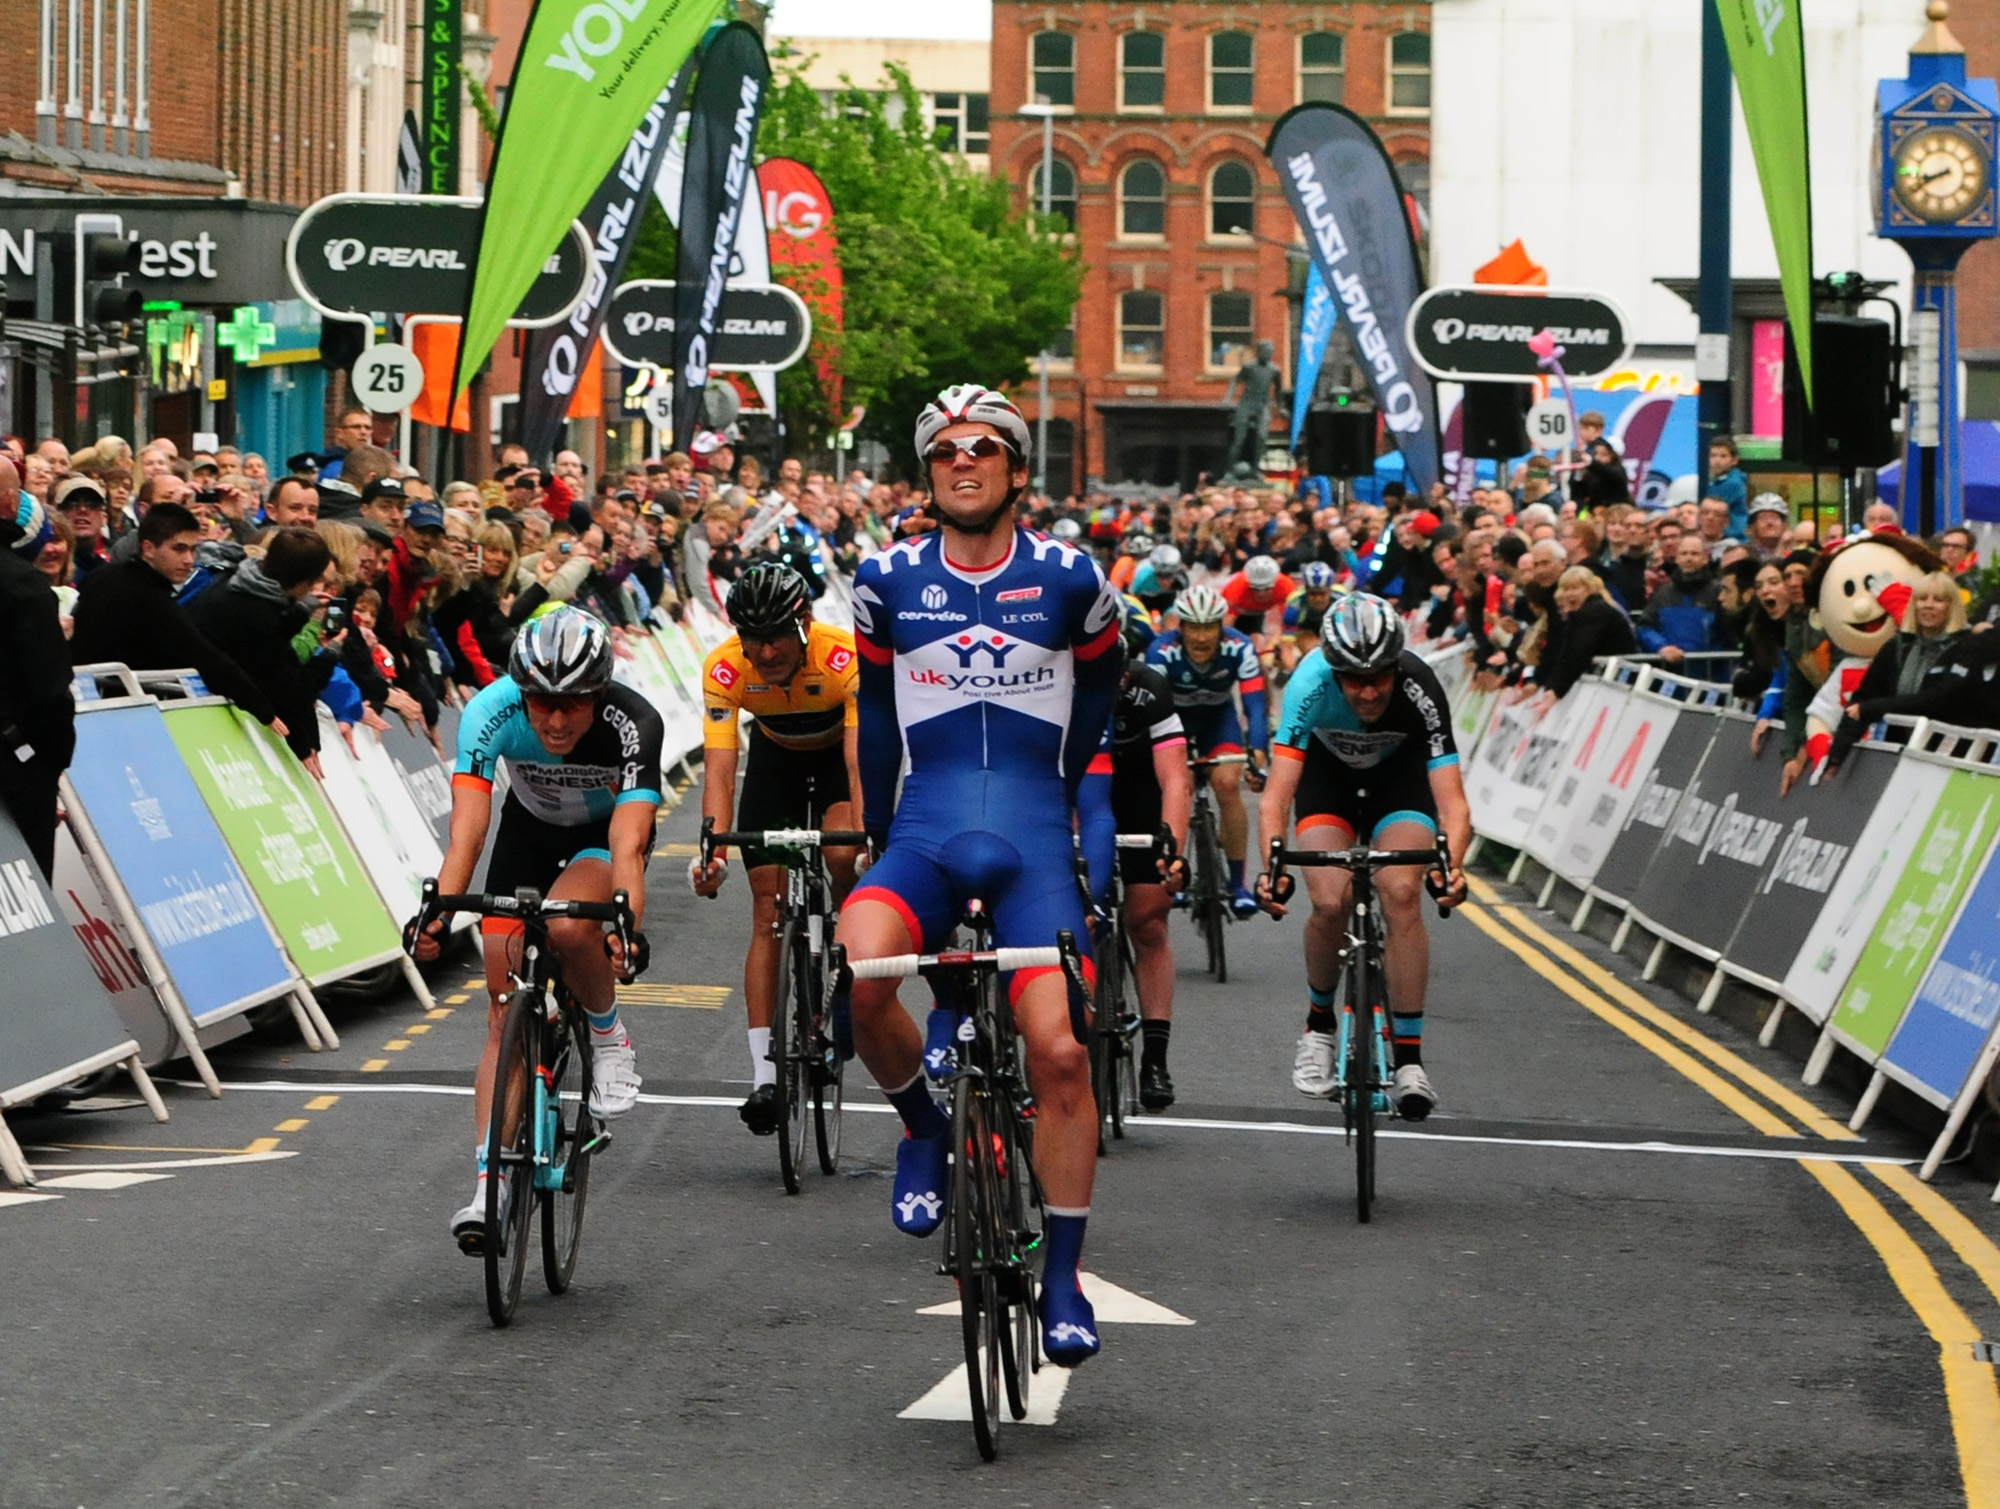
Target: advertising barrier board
[1509,774]
[1947,1031]
[108,948]
[1617,770]
[292,849]
[1949,851]
[392,838]
[1674,769]
[1593,722]
[426,777]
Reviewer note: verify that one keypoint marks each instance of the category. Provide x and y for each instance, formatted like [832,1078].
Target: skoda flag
[589,71]
[718,180]
[1346,198]
[553,358]
[1767,52]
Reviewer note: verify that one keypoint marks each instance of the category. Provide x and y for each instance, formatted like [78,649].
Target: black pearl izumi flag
[553,358]
[718,180]
[1344,193]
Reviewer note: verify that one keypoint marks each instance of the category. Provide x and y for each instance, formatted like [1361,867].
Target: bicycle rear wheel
[1215,910]
[572,1129]
[1018,1338]
[510,1157]
[790,1031]
[1104,1050]
[1360,1073]
[828,1077]
[973,1217]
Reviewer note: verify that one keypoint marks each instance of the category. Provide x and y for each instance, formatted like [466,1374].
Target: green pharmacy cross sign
[246,334]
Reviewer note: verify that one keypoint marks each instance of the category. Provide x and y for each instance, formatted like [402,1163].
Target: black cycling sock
[1153,1043]
[1322,1019]
[1406,1040]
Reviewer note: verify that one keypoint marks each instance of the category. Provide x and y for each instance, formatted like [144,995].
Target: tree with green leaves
[944,282]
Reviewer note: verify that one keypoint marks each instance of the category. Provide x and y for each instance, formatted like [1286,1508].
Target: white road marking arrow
[104,1179]
[948,1400]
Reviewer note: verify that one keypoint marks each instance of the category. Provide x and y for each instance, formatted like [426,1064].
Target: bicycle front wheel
[572,1128]
[1018,1339]
[974,1219]
[1104,1049]
[1215,914]
[828,1077]
[1360,1089]
[510,1157]
[791,1027]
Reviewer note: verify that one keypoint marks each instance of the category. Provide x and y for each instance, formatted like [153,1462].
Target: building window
[1415,177]
[1230,336]
[1322,67]
[1142,200]
[1054,68]
[1062,191]
[1142,332]
[1232,60]
[1410,74]
[1232,193]
[1142,72]
[960,120]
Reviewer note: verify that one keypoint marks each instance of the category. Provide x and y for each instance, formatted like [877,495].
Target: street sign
[761,325]
[353,254]
[1548,425]
[388,378]
[1482,334]
[659,406]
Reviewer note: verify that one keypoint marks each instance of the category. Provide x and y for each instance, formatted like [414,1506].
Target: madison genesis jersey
[617,761]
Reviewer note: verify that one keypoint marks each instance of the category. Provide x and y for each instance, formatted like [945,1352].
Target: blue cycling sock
[1236,873]
[1318,997]
[1406,1039]
[606,1025]
[1320,1015]
[920,1113]
[1065,1243]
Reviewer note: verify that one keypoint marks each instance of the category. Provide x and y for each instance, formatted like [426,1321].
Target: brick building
[1162,112]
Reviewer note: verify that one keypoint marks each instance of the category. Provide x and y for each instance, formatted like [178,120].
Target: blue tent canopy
[1979,470]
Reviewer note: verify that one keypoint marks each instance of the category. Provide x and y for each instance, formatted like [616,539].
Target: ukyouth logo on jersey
[961,667]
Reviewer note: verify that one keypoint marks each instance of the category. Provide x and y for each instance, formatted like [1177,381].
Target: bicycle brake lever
[1078,992]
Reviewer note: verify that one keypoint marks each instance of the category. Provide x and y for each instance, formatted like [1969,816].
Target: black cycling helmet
[1361,636]
[562,653]
[768,599]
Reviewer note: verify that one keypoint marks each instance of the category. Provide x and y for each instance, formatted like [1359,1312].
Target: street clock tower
[1937,136]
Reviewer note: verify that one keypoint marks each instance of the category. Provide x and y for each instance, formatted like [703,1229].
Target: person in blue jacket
[1680,617]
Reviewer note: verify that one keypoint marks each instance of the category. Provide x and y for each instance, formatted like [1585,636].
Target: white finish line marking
[22,1197]
[102,1179]
[1807,1153]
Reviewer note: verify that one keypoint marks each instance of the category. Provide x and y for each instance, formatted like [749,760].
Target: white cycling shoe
[1313,1070]
[614,1081]
[1412,1093]
[468,1227]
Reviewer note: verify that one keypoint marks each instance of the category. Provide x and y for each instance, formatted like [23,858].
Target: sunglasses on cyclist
[550,704]
[979,447]
[1381,681]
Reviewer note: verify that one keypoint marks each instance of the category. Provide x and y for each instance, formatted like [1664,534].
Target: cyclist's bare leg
[503,954]
[1330,890]
[1406,958]
[1227,780]
[1059,1074]
[1146,909]
[884,1034]
[760,964]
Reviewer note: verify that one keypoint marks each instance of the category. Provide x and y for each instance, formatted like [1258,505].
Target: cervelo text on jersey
[616,761]
[983,669]
[1418,716]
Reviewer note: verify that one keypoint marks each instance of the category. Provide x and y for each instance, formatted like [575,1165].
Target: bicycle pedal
[601,1140]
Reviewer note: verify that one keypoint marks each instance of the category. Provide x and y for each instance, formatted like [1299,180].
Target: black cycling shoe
[1156,1087]
[760,1111]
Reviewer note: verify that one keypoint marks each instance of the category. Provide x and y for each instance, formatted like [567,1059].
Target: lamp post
[1047,112]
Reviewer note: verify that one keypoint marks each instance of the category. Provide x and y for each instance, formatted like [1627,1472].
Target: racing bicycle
[541,1135]
[1209,891]
[994,1234]
[809,1047]
[1361,1056]
[1114,1063]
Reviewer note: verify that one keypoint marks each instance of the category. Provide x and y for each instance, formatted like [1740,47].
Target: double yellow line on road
[1972,1392]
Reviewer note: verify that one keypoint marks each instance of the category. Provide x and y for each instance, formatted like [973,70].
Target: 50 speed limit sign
[388,378]
[1548,425]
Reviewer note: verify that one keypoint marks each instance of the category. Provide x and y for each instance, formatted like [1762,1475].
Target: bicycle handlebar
[789,838]
[1359,857]
[1065,956]
[531,906]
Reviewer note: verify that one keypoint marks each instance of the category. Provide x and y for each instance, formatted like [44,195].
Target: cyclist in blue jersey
[1209,667]
[1365,751]
[583,765]
[990,658]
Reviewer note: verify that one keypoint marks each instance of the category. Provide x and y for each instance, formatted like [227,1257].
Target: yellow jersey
[812,713]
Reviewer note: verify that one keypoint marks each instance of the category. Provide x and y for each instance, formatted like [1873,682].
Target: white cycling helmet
[1136,544]
[1066,530]
[1200,605]
[1261,572]
[1166,562]
[969,403]
[1361,636]
[1317,577]
[564,652]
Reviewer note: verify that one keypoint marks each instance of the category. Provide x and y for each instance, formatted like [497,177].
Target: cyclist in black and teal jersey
[583,763]
[1365,750]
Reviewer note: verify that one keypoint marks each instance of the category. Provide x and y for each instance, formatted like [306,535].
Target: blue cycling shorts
[1213,730]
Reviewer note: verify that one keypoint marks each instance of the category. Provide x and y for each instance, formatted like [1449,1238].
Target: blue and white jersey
[999,682]
[1234,667]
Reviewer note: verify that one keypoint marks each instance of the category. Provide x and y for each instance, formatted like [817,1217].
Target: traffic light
[1854,378]
[1340,440]
[341,343]
[103,259]
[1496,419]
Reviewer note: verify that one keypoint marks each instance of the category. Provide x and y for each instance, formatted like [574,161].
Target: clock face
[1940,174]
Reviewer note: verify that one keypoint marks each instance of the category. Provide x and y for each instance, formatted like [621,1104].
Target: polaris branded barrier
[56,1024]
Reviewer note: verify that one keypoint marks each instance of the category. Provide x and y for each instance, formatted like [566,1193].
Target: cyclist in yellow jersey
[796,678]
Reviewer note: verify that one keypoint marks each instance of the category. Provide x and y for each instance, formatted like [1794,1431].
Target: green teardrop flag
[1768,55]
[588,72]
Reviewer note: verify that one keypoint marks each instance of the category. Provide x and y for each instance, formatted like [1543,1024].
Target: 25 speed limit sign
[1548,425]
[388,378]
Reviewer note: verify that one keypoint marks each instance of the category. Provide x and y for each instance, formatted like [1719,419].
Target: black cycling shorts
[1362,801]
[529,853]
[787,788]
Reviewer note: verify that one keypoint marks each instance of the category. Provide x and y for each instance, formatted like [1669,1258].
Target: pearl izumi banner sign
[554,357]
[718,180]
[758,328]
[1482,334]
[589,71]
[1344,193]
